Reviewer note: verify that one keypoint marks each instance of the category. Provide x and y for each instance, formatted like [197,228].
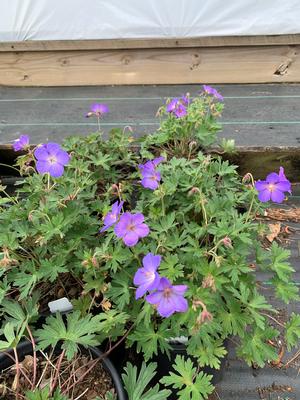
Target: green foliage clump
[201,221]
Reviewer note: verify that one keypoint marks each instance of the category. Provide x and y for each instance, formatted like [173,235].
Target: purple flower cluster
[178,106]
[22,143]
[51,159]
[150,176]
[97,110]
[213,92]
[167,298]
[129,227]
[274,187]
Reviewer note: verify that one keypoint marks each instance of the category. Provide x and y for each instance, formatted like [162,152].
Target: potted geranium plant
[175,254]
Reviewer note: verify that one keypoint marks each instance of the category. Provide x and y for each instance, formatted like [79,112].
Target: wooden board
[108,44]
[151,66]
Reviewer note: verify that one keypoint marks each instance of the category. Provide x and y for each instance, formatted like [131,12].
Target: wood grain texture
[108,44]
[247,64]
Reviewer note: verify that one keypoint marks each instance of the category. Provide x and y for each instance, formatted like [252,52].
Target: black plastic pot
[164,365]
[25,348]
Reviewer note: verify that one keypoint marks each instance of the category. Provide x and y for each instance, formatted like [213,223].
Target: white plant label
[60,305]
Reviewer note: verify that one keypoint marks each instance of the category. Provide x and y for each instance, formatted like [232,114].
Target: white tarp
[105,19]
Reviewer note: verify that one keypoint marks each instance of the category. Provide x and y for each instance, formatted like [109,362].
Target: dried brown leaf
[274,232]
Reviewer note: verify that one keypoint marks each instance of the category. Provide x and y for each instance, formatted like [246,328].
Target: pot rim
[25,347]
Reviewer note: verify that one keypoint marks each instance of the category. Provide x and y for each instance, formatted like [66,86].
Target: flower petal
[140,291]
[264,196]
[151,262]
[41,153]
[62,157]
[158,160]
[56,170]
[281,174]
[42,166]
[138,218]
[131,238]
[149,183]
[142,230]
[166,307]
[180,289]
[120,228]
[181,304]
[155,297]
[164,283]
[284,186]
[261,185]
[272,178]
[155,282]
[53,148]
[277,196]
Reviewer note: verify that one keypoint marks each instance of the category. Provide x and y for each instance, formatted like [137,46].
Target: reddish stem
[21,371]
[57,372]
[94,362]
[17,371]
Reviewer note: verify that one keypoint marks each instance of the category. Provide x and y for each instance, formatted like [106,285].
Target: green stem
[9,197]
[250,208]
[48,182]
[204,211]
[10,166]
[163,205]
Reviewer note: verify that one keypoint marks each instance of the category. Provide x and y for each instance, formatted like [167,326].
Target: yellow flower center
[271,187]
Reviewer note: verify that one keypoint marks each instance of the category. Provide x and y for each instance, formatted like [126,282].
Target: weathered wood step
[264,120]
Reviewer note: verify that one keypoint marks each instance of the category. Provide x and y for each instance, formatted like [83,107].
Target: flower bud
[115,188]
[227,242]
[209,282]
[218,260]
[194,190]
[192,144]
[105,304]
[5,262]
[95,262]
[205,316]
[246,178]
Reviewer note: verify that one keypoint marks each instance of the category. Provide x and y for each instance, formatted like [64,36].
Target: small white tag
[61,305]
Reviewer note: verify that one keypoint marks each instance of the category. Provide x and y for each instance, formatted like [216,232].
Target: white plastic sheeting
[105,19]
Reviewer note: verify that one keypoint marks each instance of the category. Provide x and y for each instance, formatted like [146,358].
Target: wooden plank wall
[248,59]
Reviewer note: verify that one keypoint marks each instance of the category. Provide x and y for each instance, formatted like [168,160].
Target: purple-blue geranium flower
[51,158]
[172,105]
[180,111]
[150,176]
[131,228]
[22,143]
[212,91]
[147,278]
[185,99]
[274,187]
[282,177]
[178,106]
[112,217]
[168,298]
[98,110]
